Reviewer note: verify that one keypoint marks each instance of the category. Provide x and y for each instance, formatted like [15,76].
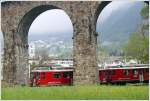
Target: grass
[98,92]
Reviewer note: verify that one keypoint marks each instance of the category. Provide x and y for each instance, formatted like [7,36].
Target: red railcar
[125,74]
[51,77]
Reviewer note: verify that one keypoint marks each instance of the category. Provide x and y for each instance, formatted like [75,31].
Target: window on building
[57,75]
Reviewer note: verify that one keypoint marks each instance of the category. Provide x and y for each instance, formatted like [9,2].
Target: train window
[113,72]
[66,75]
[126,72]
[57,75]
[146,70]
[43,75]
[135,72]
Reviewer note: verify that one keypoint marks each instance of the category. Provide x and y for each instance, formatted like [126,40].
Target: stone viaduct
[16,18]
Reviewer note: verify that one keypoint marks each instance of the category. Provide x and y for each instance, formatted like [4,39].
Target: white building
[31,50]
[63,62]
[34,61]
[132,61]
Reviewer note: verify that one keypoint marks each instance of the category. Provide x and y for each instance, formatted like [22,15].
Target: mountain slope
[120,24]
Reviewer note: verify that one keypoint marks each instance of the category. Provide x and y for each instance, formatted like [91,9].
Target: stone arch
[1,50]
[101,6]
[28,18]
[82,15]
[22,40]
[99,9]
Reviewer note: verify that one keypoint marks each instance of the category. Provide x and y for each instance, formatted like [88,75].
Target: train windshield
[68,75]
[57,75]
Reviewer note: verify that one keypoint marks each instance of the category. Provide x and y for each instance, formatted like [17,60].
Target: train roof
[128,65]
[124,68]
[53,70]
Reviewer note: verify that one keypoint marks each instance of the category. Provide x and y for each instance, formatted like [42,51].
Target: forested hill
[118,27]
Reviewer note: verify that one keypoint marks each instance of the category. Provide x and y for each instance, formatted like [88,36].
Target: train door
[71,77]
[134,76]
[102,76]
[68,77]
[108,75]
[57,78]
[113,75]
[43,78]
[146,74]
[36,79]
[141,78]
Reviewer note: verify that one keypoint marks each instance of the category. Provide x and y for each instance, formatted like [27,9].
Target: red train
[51,77]
[47,76]
[125,74]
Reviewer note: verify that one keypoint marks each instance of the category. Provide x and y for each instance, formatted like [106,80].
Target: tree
[144,12]
[42,54]
[138,45]
[103,53]
[32,66]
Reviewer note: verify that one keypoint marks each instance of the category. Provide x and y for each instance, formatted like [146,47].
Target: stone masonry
[17,16]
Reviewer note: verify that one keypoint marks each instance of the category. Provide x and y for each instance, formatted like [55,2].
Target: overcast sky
[58,22]
[51,21]
[113,6]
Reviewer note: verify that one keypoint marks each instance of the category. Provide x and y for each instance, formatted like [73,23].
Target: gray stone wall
[16,20]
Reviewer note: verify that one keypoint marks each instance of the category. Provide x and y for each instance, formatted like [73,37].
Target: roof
[125,68]
[55,70]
